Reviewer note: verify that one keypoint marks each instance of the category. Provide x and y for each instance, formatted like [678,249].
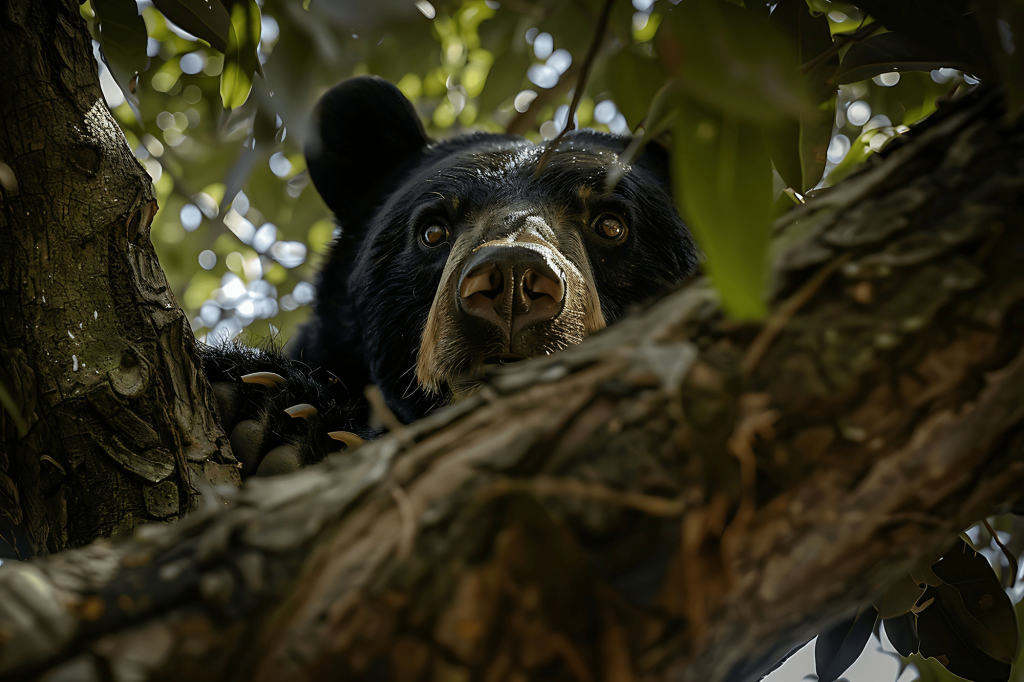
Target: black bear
[452,256]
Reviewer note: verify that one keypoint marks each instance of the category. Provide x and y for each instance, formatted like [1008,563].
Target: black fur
[337,409]
[376,289]
[377,170]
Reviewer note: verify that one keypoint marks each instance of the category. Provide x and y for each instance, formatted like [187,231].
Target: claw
[301,410]
[265,378]
[348,438]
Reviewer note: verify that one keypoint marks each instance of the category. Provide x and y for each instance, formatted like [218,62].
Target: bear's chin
[461,388]
[466,384]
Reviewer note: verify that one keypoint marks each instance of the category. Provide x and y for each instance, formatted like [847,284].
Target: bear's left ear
[364,133]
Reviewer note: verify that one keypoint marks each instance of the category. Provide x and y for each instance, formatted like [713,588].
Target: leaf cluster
[760,106]
[954,612]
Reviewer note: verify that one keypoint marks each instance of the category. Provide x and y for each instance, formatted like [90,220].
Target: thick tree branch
[646,504]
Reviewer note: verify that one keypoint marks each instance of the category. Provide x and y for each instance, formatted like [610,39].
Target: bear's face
[457,256]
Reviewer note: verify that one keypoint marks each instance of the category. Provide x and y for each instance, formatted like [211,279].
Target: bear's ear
[364,132]
[654,157]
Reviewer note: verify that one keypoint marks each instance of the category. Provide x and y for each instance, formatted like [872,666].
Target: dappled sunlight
[468,65]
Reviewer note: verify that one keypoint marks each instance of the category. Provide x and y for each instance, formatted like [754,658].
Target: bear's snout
[457,255]
[512,286]
[504,296]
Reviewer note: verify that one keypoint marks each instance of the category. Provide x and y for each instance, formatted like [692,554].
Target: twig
[407,518]
[778,320]
[381,409]
[1006,552]
[755,420]
[581,84]
[838,44]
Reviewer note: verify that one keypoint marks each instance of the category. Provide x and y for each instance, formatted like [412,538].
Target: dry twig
[581,85]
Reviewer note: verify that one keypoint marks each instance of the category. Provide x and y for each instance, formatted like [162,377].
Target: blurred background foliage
[762,104]
[219,123]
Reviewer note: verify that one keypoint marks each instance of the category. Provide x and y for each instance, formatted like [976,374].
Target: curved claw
[265,378]
[348,438]
[302,410]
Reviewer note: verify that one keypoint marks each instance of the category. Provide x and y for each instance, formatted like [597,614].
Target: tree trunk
[679,497]
[94,351]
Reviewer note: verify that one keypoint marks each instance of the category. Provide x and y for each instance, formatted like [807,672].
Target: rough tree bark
[93,348]
[679,497]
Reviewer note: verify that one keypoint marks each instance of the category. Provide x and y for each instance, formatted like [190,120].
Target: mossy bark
[94,352]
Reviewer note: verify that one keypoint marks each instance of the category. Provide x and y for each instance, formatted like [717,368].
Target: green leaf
[915,94]
[951,638]
[406,47]
[660,114]
[565,21]
[722,177]
[662,110]
[968,622]
[1002,24]
[944,28]
[799,146]
[888,52]
[991,615]
[923,574]
[123,43]
[808,37]
[1017,670]
[902,633]
[931,670]
[900,597]
[240,59]
[504,79]
[730,59]
[205,19]
[634,81]
[838,647]
[860,150]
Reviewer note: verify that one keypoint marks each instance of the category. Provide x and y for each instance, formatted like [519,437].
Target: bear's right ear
[364,132]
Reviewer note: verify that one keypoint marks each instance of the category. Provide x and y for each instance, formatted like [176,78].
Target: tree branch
[635,506]
[581,86]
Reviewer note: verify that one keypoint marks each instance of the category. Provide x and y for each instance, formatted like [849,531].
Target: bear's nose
[512,287]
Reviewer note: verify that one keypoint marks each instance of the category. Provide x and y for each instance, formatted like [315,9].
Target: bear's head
[453,256]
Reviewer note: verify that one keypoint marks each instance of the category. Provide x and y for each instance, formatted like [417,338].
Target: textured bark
[93,348]
[679,497]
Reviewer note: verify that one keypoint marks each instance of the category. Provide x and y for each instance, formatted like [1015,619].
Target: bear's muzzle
[515,286]
[512,286]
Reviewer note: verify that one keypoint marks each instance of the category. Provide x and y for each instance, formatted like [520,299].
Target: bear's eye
[435,235]
[610,227]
